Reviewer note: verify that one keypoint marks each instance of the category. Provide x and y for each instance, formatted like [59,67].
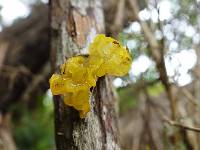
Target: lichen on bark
[71,132]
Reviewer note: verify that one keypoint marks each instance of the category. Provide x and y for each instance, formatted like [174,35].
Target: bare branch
[157,52]
[35,83]
[190,97]
[147,32]
[16,69]
[196,72]
[119,17]
[173,123]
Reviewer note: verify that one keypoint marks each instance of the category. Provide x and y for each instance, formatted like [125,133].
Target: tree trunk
[6,140]
[74,24]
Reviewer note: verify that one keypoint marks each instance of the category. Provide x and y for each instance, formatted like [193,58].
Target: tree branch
[173,123]
[36,82]
[157,52]
[190,97]
[119,17]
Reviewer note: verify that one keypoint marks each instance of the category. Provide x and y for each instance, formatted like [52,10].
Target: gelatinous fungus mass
[79,73]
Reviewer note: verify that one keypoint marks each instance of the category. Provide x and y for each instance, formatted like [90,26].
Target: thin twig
[157,52]
[174,123]
[190,97]
[118,21]
[16,69]
[37,80]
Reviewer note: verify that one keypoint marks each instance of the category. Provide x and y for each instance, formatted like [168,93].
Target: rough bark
[74,24]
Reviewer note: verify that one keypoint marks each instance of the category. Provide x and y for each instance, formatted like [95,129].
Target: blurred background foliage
[32,128]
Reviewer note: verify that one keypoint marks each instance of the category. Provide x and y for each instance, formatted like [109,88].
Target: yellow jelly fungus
[80,73]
